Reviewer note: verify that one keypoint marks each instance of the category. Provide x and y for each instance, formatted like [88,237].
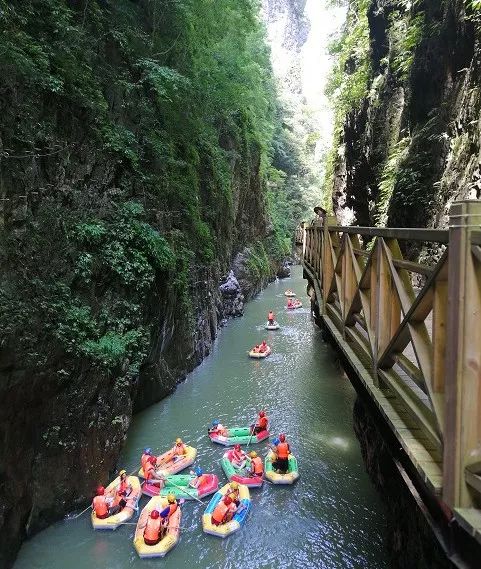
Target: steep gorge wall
[133,159]
[411,144]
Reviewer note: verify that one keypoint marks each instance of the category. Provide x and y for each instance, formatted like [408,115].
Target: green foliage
[258,263]
[388,179]
[348,83]
[405,33]
[139,121]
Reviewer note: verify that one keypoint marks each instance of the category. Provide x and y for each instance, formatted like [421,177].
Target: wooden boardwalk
[416,351]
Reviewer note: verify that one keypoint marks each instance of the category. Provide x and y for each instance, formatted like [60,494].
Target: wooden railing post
[462,433]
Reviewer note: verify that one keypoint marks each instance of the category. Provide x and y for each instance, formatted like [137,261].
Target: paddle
[78,515]
[186,491]
[252,433]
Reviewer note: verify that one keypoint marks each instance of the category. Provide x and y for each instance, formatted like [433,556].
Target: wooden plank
[413,267]
[409,234]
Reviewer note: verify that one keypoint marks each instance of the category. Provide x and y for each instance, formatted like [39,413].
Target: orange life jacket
[179,450]
[173,508]
[152,529]
[220,511]
[149,471]
[100,506]
[282,450]
[144,461]
[262,423]
[270,316]
[257,464]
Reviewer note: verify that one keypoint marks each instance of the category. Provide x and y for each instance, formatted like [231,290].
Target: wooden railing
[415,329]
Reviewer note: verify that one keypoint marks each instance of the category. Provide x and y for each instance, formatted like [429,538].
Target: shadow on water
[332,518]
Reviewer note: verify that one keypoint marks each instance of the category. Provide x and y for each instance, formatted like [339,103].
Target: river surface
[332,518]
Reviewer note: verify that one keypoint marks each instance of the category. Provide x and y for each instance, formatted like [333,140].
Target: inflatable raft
[239,517]
[289,293]
[233,472]
[289,477]
[238,435]
[295,305]
[113,522]
[274,326]
[171,537]
[260,355]
[166,465]
[178,484]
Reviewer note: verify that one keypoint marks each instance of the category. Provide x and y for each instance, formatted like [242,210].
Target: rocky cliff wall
[133,159]
[411,144]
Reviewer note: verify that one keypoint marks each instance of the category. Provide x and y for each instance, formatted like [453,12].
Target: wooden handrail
[421,346]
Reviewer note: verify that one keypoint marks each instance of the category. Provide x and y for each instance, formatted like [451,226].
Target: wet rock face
[285,271]
[411,541]
[429,116]
[232,297]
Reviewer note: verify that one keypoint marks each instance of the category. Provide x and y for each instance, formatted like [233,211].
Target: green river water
[332,518]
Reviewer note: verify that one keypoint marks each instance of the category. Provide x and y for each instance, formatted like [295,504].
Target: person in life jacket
[218,429]
[152,529]
[150,472]
[261,424]
[256,349]
[233,492]
[238,456]
[282,453]
[167,512]
[179,450]
[224,511]
[145,458]
[200,478]
[257,468]
[263,347]
[123,490]
[289,303]
[101,504]
[271,318]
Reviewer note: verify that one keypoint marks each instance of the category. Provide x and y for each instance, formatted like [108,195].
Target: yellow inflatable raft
[113,522]
[237,521]
[167,465]
[171,537]
[289,477]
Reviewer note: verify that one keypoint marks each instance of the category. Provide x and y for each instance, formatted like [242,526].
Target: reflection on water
[331,519]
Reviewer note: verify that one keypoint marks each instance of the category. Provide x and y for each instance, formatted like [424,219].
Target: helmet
[262,413]
[198,471]
[237,446]
[215,422]
[178,441]
[171,498]
[147,450]
[100,491]
[282,437]
[122,472]
[253,454]
[153,460]
[154,514]
[234,485]
[276,441]
[227,500]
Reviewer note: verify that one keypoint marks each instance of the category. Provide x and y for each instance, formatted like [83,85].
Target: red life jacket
[282,450]
[144,461]
[262,423]
[152,529]
[100,506]
[220,511]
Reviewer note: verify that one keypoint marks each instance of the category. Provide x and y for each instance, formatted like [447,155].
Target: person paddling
[263,347]
[153,528]
[238,456]
[261,423]
[271,318]
[282,453]
[101,504]
[224,511]
[257,468]
[179,450]
[144,459]
[167,512]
